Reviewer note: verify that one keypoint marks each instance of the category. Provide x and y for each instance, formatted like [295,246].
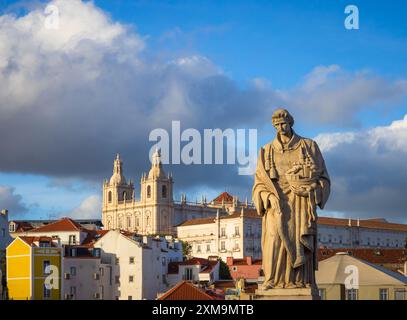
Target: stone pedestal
[287,294]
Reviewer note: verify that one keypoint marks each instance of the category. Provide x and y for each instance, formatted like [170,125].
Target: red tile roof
[64,224]
[185,290]
[207,265]
[22,226]
[376,256]
[243,262]
[93,236]
[376,223]
[32,240]
[226,197]
[248,213]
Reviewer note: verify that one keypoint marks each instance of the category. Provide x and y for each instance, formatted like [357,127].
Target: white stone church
[155,212]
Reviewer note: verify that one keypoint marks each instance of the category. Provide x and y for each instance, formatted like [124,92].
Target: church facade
[156,211]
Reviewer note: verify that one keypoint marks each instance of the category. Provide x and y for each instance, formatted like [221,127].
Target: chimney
[249,260]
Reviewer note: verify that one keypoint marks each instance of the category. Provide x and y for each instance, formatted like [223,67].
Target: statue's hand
[274,203]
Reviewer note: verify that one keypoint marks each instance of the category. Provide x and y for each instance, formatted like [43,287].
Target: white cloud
[333,96]
[11,201]
[370,175]
[90,208]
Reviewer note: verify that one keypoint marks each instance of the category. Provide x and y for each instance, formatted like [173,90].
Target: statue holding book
[291,180]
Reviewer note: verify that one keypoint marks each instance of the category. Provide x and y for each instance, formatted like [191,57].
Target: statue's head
[283,121]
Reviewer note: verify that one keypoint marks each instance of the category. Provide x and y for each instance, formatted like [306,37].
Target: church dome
[117,177]
[156,170]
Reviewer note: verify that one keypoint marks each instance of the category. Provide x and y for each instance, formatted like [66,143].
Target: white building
[369,233]
[139,264]
[5,238]
[236,235]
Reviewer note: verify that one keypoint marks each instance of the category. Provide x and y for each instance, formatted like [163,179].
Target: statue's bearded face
[283,128]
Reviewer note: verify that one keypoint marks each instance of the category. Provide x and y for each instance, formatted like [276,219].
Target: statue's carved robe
[289,238]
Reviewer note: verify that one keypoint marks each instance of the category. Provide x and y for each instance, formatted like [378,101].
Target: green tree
[224,272]
[186,249]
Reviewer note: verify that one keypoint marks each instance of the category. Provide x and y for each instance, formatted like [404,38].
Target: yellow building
[34,268]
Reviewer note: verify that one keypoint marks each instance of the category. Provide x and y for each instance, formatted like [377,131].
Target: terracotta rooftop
[376,256]
[376,223]
[368,223]
[93,236]
[22,226]
[31,241]
[208,265]
[224,196]
[185,290]
[64,224]
[248,213]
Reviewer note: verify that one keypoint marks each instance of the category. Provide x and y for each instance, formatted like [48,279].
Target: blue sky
[280,42]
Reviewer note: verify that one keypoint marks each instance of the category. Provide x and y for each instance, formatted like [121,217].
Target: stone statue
[291,180]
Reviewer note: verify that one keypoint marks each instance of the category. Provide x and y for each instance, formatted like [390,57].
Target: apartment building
[235,235]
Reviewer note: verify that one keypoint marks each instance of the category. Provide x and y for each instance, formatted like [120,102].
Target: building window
[164,191]
[249,230]
[73,252]
[137,221]
[330,238]
[236,230]
[236,247]
[164,261]
[120,223]
[188,274]
[208,248]
[73,271]
[124,195]
[12,227]
[148,191]
[322,293]
[3,232]
[222,245]
[109,196]
[399,294]
[384,294]
[351,294]
[72,291]
[128,222]
[198,249]
[131,260]
[46,292]
[222,232]
[72,239]
[45,265]
[131,278]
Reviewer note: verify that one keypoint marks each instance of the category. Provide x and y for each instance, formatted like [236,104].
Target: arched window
[124,195]
[137,222]
[109,196]
[148,191]
[128,222]
[164,191]
[120,223]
